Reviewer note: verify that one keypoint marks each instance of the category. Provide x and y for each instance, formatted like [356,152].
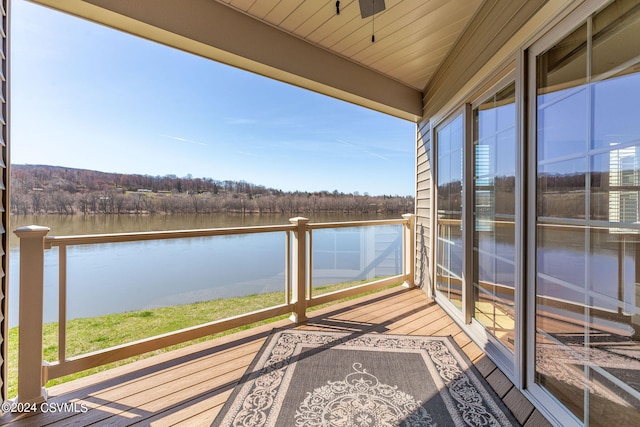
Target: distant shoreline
[41,189]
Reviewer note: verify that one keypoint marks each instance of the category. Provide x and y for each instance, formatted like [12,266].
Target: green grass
[90,334]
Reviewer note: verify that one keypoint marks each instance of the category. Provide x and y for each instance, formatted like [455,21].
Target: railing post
[409,250]
[299,266]
[30,319]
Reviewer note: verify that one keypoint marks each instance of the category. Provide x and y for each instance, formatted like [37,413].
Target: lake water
[119,277]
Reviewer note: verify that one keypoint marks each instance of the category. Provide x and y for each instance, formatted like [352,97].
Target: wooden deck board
[484,365]
[537,420]
[519,405]
[189,386]
[499,382]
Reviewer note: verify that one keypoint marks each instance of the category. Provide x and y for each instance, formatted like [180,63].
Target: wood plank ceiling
[412,37]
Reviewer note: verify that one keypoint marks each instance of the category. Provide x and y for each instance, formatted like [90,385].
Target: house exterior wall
[484,62]
[424,181]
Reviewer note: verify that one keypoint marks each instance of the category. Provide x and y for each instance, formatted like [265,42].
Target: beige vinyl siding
[494,24]
[424,181]
[4,199]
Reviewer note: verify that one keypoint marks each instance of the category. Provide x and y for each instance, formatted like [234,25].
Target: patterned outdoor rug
[311,378]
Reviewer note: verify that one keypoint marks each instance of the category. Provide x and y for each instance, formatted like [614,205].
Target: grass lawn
[97,333]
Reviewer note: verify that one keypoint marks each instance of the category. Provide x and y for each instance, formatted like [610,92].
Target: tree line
[41,189]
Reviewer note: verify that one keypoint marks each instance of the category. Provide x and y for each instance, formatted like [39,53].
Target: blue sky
[86,96]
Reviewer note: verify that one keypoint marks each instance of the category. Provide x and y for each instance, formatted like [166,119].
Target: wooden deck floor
[189,386]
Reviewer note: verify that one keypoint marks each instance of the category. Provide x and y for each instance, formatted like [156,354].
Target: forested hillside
[40,189]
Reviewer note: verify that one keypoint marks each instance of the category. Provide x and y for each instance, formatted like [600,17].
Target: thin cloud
[376,155]
[268,120]
[244,153]
[362,149]
[349,144]
[241,121]
[189,141]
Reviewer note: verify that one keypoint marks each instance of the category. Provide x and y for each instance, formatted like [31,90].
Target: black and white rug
[312,378]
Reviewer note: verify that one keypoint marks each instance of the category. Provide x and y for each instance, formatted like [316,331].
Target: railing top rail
[91,239]
[319,225]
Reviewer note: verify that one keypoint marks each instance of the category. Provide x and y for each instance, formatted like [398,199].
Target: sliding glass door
[586,235]
[476,215]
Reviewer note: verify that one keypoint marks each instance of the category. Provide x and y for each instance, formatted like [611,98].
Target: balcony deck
[189,386]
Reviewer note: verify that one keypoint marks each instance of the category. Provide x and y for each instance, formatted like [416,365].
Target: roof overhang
[221,33]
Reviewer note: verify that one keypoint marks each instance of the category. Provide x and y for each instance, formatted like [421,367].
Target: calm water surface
[119,277]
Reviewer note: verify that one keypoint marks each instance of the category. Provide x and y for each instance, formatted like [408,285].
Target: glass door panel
[449,250]
[495,143]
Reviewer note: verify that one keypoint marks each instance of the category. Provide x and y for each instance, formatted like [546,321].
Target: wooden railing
[33,372]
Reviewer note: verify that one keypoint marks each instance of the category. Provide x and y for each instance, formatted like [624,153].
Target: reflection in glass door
[587,219]
[494,201]
[450,182]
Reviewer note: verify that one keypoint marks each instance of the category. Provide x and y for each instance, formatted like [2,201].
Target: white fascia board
[223,34]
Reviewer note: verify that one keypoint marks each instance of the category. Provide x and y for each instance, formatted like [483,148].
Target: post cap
[299,220]
[31,231]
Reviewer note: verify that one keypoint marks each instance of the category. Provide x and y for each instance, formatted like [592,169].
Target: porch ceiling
[305,42]
[412,37]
